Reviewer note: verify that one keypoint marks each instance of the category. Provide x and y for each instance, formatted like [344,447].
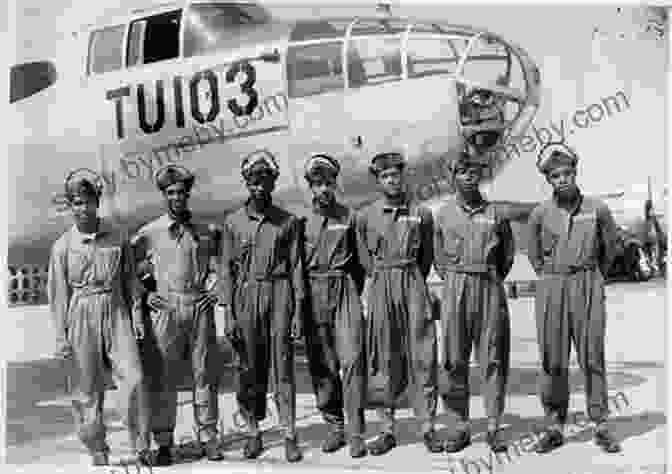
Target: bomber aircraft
[206,83]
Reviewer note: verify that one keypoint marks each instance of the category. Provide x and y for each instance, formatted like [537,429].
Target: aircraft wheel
[641,268]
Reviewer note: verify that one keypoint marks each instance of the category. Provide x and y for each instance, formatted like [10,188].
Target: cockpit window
[315,69]
[155,38]
[208,24]
[374,60]
[430,55]
[106,49]
[305,30]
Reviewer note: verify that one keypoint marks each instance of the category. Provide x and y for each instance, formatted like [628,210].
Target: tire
[641,266]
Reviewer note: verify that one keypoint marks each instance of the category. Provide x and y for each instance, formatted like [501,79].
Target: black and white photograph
[359,236]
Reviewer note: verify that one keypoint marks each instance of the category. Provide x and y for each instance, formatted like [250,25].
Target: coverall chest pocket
[336,234]
[408,227]
[243,255]
[107,261]
[483,232]
[549,240]
[585,226]
[453,245]
[79,263]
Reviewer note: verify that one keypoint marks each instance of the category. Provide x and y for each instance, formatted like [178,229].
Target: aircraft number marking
[246,87]
[209,76]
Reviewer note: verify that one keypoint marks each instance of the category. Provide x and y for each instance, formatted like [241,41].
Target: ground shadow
[624,427]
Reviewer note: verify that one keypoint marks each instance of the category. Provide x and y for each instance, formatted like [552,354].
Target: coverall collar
[575,207]
[254,214]
[103,229]
[402,206]
[478,206]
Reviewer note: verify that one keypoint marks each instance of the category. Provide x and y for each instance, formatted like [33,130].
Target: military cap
[321,165]
[259,161]
[171,174]
[83,182]
[555,154]
[383,161]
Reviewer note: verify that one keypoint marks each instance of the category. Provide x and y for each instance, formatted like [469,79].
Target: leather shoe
[458,442]
[495,441]
[253,447]
[432,442]
[292,451]
[357,447]
[549,441]
[335,440]
[164,457]
[100,458]
[383,444]
[211,450]
[145,458]
[606,441]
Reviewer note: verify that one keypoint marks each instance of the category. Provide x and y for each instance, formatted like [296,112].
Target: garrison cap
[171,174]
[83,182]
[556,154]
[259,161]
[321,165]
[383,161]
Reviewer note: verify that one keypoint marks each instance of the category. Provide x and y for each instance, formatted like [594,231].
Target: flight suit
[474,252]
[571,253]
[179,256]
[334,320]
[91,287]
[262,277]
[397,251]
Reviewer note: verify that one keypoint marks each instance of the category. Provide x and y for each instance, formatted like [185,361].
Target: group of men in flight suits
[280,276]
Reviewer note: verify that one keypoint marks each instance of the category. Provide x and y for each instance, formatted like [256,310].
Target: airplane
[206,83]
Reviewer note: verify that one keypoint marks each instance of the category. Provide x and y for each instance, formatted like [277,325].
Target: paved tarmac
[40,439]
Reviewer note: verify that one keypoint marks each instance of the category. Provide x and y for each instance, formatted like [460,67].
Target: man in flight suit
[91,287]
[572,244]
[474,252]
[396,239]
[262,284]
[181,315]
[334,320]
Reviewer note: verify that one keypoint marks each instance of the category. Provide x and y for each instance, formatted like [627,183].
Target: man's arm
[297,257]
[225,267]
[535,251]
[58,293]
[507,249]
[426,250]
[608,238]
[357,269]
[132,287]
[361,230]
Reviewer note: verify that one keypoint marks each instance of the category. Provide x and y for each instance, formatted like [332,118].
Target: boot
[144,457]
[253,447]
[550,440]
[606,441]
[164,457]
[292,451]
[100,458]
[457,442]
[432,442]
[211,450]
[383,444]
[357,447]
[495,441]
[334,441]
